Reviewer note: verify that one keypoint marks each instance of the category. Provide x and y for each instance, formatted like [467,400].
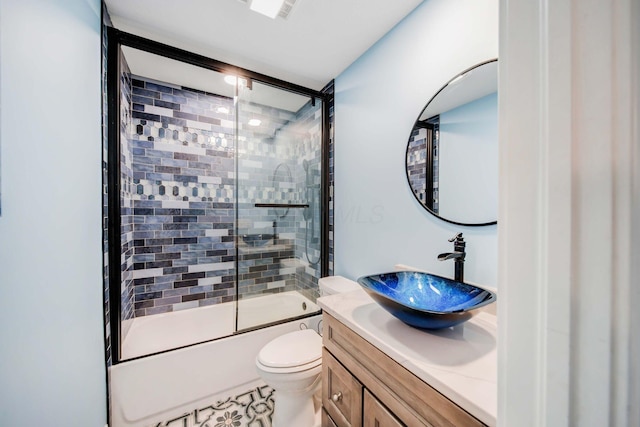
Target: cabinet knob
[337,397]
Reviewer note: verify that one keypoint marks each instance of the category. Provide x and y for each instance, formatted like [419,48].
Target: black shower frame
[115,40]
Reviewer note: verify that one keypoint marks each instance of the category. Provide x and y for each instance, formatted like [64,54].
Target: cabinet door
[376,415]
[409,398]
[326,420]
[341,393]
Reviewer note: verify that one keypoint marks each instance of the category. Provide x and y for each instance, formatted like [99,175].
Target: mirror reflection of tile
[0,145]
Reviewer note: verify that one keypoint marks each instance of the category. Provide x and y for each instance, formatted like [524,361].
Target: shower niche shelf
[282,205]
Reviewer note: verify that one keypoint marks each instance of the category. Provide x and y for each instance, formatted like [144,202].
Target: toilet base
[293,410]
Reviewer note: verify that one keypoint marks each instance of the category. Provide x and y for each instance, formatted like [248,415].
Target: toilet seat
[292,352]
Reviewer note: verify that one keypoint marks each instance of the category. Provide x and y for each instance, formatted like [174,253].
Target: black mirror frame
[407,153]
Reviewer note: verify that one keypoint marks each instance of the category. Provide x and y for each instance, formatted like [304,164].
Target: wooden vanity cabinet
[347,401]
[362,386]
[341,391]
[376,415]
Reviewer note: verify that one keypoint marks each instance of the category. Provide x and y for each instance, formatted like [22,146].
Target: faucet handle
[457,237]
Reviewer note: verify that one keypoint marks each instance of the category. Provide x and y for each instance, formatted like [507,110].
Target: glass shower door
[177,124]
[279,152]
[214,199]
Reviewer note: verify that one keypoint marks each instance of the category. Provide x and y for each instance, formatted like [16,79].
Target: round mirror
[452,154]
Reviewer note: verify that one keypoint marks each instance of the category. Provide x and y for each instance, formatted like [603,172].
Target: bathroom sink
[424,300]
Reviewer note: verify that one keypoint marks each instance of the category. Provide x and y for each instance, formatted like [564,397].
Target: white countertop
[459,362]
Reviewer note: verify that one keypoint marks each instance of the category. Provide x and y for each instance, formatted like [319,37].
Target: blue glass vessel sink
[424,300]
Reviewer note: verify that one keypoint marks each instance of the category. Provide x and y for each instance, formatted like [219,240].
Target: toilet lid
[292,349]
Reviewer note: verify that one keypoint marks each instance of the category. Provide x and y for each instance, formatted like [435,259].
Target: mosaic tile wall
[416,164]
[264,176]
[106,22]
[253,408]
[271,171]
[329,90]
[182,189]
[252,260]
[126,200]
[436,167]
[308,230]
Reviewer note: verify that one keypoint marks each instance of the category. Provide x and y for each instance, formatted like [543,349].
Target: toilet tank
[336,284]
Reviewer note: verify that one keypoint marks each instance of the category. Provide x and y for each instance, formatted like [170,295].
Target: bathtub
[166,331]
[148,390]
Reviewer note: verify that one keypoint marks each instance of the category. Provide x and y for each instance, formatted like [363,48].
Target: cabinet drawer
[341,393]
[376,415]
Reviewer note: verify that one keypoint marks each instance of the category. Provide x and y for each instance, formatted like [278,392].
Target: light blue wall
[51,329]
[468,161]
[378,222]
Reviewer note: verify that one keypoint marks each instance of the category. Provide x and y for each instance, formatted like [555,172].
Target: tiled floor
[249,409]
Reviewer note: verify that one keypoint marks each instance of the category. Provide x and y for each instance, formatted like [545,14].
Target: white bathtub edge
[154,388]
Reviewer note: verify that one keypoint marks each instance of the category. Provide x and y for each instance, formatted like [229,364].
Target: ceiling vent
[285,9]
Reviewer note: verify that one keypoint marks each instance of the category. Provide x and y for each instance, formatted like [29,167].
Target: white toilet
[292,363]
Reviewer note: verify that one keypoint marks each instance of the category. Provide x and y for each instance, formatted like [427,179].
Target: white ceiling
[474,84]
[316,43]
[167,70]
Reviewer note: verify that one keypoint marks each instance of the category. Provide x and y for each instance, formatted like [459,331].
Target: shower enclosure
[217,179]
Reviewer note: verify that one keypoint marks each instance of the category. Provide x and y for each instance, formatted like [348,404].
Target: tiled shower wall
[106,22]
[182,191]
[416,164]
[308,229]
[289,231]
[126,201]
[261,150]
[329,90]
[271,171]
